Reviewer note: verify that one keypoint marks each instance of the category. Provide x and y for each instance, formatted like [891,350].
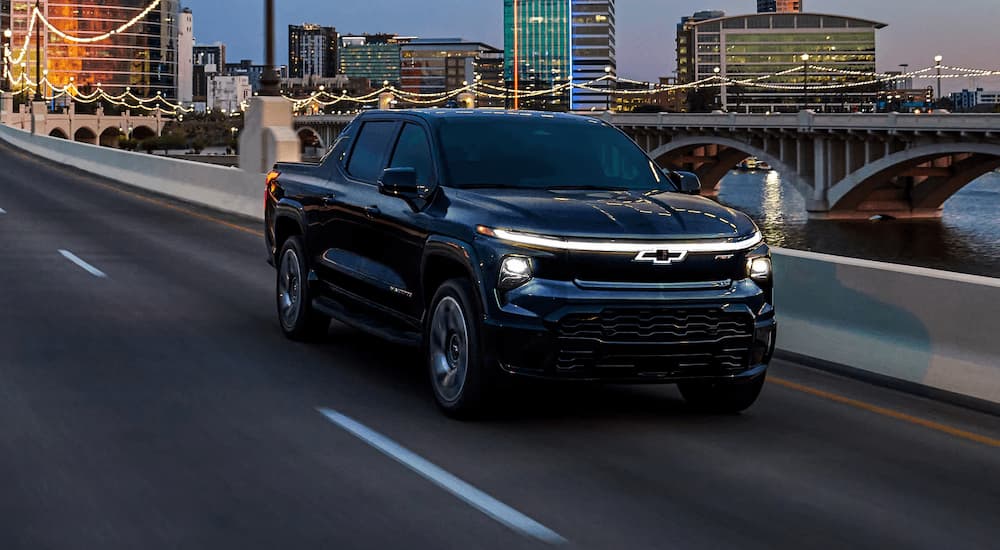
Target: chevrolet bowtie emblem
[661,257]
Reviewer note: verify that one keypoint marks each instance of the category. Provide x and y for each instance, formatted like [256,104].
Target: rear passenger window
[368,157]
[414,151]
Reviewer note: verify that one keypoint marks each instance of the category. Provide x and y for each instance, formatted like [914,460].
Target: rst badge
[661,257]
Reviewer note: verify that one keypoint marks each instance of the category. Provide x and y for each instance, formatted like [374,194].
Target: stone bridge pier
[845,166]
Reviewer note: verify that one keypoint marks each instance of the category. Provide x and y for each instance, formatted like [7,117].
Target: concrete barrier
[928,327]
[226,189]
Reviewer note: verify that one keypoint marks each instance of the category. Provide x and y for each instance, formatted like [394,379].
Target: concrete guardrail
[932,328]
[227,189]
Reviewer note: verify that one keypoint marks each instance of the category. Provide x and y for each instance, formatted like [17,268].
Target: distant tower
[779,6]
[185,57]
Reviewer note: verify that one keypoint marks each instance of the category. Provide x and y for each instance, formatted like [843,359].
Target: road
[148,400]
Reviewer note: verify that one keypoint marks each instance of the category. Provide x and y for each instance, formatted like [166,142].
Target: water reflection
[965,239]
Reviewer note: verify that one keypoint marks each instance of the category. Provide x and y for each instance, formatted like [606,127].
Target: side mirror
[687,182]
[399,182]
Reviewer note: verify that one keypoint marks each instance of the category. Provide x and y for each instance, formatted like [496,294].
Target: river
[966,239]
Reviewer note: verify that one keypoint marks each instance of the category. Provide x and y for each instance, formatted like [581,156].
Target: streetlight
[937,61]
[270,82]
[607,74]
[805,81]
[38,54]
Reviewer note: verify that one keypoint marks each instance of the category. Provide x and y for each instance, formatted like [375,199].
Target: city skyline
[643,26]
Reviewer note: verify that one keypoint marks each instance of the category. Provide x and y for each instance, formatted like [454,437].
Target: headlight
[514,272]
[759,269]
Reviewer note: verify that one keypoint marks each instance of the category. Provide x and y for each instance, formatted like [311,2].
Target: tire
[458,374]
[298,320]
[723,397]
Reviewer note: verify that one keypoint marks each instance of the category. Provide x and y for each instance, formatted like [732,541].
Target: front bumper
[558,330]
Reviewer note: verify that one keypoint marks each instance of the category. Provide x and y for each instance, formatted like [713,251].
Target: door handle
[329,199]
[372,211]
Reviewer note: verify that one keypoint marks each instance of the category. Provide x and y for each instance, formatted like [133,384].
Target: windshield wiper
[584,188]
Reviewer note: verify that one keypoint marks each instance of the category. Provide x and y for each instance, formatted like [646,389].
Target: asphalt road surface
[148,400]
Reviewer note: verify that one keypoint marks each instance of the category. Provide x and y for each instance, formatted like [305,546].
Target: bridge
[148,400]
[97,129]
[845,166]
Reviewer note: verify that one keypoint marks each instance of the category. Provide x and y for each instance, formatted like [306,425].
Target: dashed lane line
[83,265]
[472,496]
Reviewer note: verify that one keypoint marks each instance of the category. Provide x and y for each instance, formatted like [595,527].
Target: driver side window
[413,150]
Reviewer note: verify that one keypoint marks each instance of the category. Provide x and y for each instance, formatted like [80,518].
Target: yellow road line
[930,424]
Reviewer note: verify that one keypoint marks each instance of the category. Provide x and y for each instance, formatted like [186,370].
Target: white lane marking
[82,264]
[2,211]
[474,497]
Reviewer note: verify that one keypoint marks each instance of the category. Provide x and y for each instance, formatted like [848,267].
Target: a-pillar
[268,135]
[38,111]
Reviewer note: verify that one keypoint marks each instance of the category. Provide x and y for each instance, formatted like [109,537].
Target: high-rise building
[228,93]
[142,57]
[374,57]
[312,51]
[778,62]
[686,55]
[779,6]
[208,60]
[551,42]
[185,56]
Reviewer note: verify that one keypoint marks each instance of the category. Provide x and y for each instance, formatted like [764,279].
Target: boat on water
[748,164]
[761,165]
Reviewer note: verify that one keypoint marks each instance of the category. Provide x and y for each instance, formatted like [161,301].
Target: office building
[253,72]
[975,100]
[208,60]
[780,62]
[550,42]
[779,6]
[430,65]
[312,51]
[143,58]
[228,93]
[185,56]
[372,57]
[685,52]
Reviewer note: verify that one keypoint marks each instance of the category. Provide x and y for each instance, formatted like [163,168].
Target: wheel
[299,321]
[723,397]
[458,375]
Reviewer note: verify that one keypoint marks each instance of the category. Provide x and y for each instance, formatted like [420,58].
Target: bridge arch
[109,137]
[142,133]
[58,133]
[85,134]
[963,164]
[731,152]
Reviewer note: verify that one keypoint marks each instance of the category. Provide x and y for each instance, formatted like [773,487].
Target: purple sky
[966,32]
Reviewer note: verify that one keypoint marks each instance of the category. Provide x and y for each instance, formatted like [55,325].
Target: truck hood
[656,215]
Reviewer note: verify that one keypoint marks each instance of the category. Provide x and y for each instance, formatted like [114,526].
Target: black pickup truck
[520,244]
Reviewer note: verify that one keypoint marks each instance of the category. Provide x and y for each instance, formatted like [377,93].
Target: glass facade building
[144,57]
[372,57]
[753,48]
[549,42]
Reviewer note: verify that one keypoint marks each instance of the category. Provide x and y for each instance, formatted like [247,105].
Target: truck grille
[657,326]
[728,361]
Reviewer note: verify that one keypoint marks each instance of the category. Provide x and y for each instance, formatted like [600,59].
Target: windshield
[544,153]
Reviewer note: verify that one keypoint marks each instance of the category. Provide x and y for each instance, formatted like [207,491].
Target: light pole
[937,63]
[805,81]
[38,53]
[607,96]
[270,82]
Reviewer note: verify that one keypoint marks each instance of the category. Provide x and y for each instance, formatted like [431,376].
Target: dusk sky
[966,32]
